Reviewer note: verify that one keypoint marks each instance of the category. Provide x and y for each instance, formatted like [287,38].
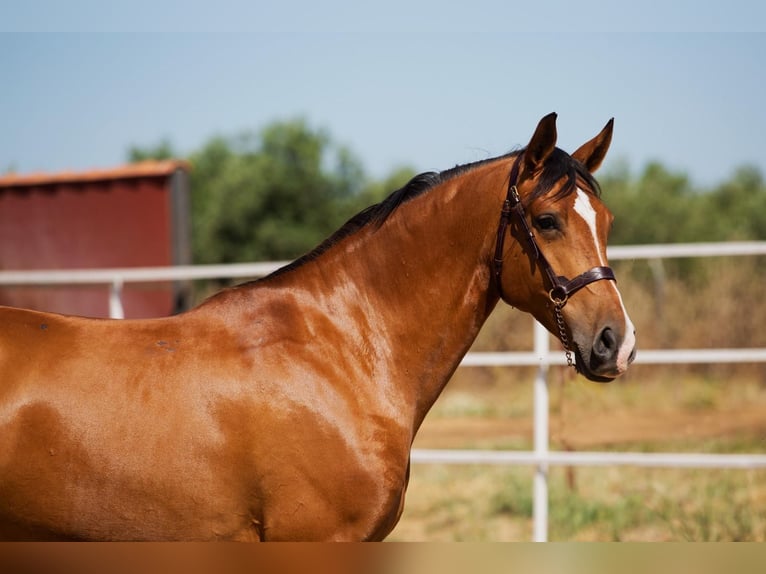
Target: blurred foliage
[163,150]
[660,206]
[274,194]
[277,193]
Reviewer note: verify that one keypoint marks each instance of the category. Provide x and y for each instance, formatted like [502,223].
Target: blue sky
[423,86]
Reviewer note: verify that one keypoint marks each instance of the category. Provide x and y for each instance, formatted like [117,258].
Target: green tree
[737,208]
[656,207]
[163,150]
[661,206]
[271,195]
[274,194]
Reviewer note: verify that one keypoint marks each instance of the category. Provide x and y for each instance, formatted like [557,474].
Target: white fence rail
[541,457]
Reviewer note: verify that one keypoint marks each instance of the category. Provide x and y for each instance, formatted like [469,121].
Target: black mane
[558,165]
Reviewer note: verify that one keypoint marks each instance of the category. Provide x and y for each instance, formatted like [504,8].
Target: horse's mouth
[584,369]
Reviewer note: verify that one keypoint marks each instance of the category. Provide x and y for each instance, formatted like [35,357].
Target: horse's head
[560,270]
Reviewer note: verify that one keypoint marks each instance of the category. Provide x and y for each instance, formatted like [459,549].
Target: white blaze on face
[584,208]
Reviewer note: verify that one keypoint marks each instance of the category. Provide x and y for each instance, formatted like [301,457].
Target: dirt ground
[478,409]
[604,431]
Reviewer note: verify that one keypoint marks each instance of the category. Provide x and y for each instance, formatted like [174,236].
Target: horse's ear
[541,145]
[592,153]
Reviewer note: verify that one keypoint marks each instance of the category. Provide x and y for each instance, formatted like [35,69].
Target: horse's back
[105,425]
[55,354]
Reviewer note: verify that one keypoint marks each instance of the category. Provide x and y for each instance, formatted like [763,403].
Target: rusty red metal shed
[130,216]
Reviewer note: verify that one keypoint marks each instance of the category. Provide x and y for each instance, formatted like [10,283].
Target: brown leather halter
[561,288]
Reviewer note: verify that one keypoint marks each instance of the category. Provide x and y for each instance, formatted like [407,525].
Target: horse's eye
[546,223]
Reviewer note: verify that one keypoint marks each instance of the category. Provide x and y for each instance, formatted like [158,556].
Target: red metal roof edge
[151,168]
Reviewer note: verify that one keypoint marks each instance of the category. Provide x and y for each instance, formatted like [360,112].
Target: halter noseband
[561,288]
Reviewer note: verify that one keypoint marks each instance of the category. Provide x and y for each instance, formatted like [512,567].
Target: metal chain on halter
[558,304]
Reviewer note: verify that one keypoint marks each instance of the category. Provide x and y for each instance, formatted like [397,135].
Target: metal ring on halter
[559,302]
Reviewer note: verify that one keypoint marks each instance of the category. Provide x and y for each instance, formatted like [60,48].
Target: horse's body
[285,408]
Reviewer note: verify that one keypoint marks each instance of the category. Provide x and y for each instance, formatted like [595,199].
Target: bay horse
[285,408]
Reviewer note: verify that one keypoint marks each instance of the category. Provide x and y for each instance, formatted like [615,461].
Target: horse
[285,408]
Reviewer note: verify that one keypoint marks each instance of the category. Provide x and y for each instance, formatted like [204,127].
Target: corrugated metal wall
[124,217]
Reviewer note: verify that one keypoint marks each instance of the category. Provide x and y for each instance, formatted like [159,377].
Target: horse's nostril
[606,344]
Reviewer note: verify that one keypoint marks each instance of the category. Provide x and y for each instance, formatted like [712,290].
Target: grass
[608,504]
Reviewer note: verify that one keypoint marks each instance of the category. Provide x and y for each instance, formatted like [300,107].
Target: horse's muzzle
[609,355]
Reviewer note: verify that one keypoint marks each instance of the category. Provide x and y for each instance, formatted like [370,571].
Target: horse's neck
[416,290]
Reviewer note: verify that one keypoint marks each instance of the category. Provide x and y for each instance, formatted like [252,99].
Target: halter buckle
[513,195]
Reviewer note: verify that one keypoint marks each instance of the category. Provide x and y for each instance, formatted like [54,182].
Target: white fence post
[540,493]
[116,310]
